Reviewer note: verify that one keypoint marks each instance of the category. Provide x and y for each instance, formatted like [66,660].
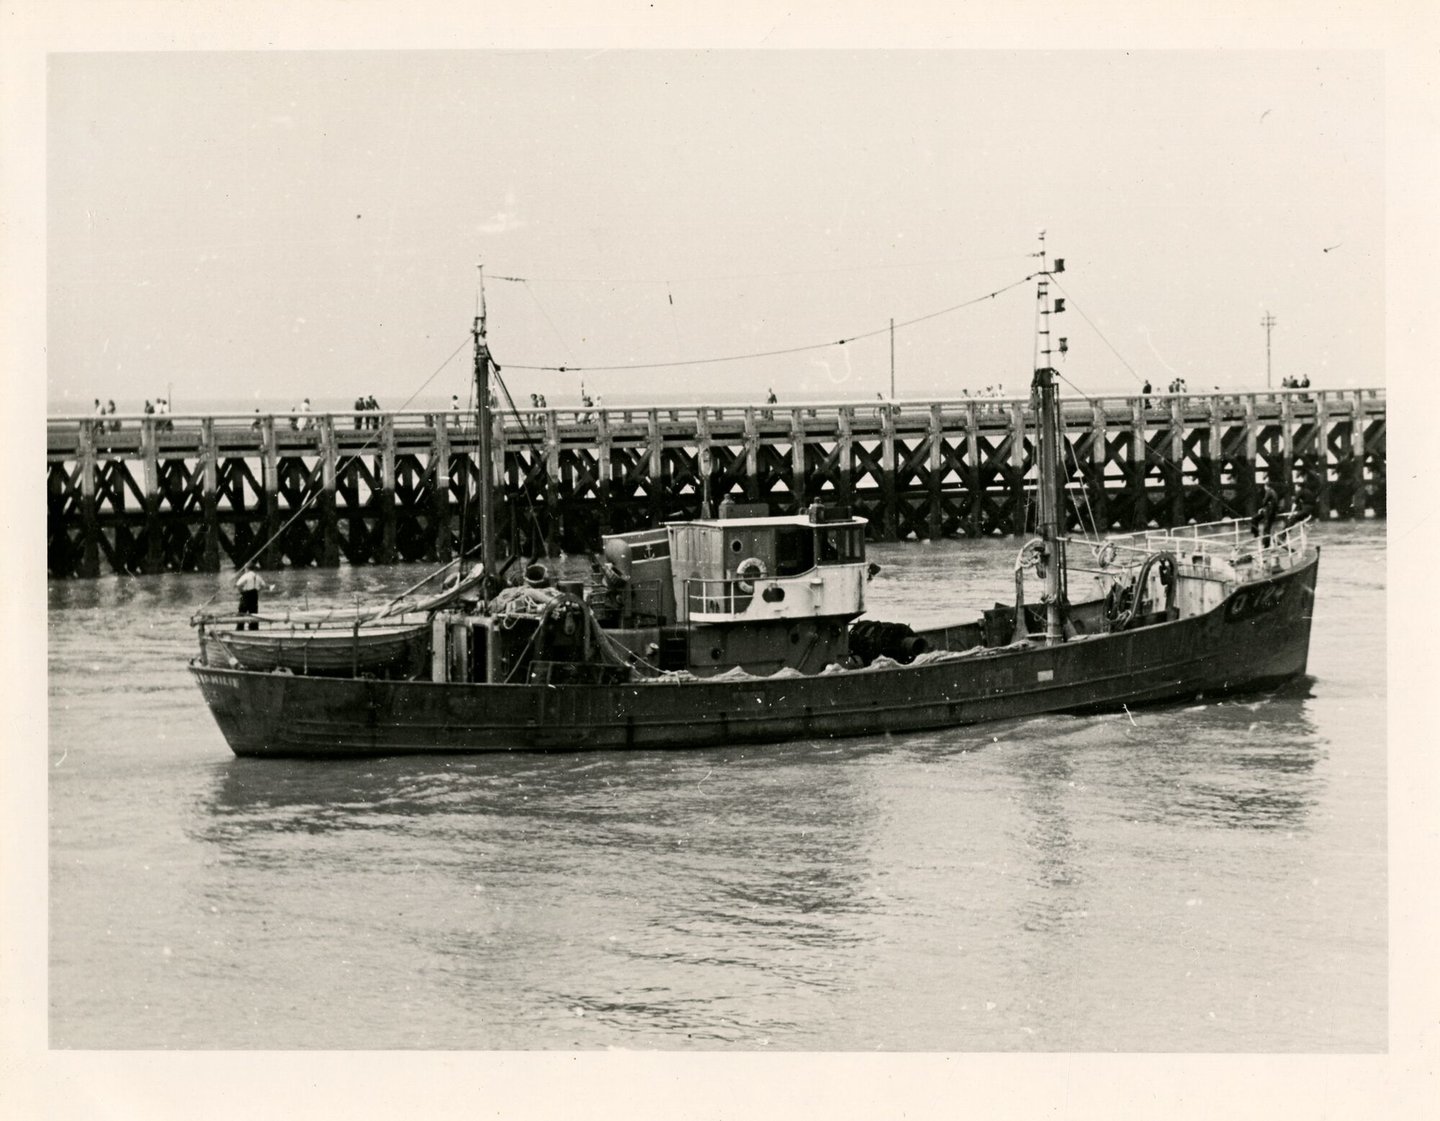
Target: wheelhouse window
[841,544]
[794,550]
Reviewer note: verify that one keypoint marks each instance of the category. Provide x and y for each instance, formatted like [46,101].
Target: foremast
[485,423]
[1045,400]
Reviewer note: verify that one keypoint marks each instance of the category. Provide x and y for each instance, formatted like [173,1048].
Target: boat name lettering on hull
[1249,602]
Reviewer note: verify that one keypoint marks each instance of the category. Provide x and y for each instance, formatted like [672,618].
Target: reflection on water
[1243,764]
[713,862]
[1046,782]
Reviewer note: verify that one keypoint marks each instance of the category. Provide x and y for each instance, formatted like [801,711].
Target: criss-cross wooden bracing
[178,493]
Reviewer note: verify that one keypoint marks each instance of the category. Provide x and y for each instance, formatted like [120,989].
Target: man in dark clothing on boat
[250,583]
[1263,522]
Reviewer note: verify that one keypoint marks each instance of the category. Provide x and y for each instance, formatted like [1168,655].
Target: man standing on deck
[250,584]
[1264,520]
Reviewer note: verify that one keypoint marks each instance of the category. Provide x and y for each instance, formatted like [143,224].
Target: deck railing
[1269,401]
[1230,540]
[718,598]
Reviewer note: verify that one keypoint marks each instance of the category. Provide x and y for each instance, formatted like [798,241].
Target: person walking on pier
[251,584]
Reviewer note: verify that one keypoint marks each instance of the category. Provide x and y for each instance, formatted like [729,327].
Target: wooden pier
[188,493]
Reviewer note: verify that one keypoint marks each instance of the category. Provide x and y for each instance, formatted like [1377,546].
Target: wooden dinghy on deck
[397,649]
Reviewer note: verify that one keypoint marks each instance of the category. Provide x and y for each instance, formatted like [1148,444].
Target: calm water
[1206,877]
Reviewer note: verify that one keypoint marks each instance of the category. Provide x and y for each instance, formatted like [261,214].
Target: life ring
[748,571]
[1105,554]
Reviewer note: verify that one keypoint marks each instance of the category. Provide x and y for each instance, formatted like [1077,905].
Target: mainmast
[1046,403]
[484,421]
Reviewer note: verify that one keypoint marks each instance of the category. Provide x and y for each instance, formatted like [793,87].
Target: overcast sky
[279,225]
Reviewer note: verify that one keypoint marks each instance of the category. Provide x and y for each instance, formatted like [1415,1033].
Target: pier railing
[149,493]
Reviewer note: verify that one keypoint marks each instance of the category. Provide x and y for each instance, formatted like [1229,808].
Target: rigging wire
[642,282]
[470,405]
[530,441]
[548,320]
[314,491]
[1098,332]
[1149,451]
[1079,484]
[783,351]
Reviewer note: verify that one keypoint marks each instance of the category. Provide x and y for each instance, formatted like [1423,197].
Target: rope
[708,277]
[546,314]
[1097,331]
[530,441]
[775,353]
[1084,493]
[315,491]
[1149,452]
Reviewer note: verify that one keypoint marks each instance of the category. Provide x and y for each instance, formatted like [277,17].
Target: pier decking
[186,493]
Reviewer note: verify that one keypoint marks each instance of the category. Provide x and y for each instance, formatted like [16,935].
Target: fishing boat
[748,627]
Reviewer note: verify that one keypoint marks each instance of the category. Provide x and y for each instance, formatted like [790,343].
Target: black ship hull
[1256,638]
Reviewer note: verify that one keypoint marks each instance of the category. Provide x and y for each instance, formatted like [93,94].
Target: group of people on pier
[1176,388]
[366,405]
[107,411]
[110,422]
